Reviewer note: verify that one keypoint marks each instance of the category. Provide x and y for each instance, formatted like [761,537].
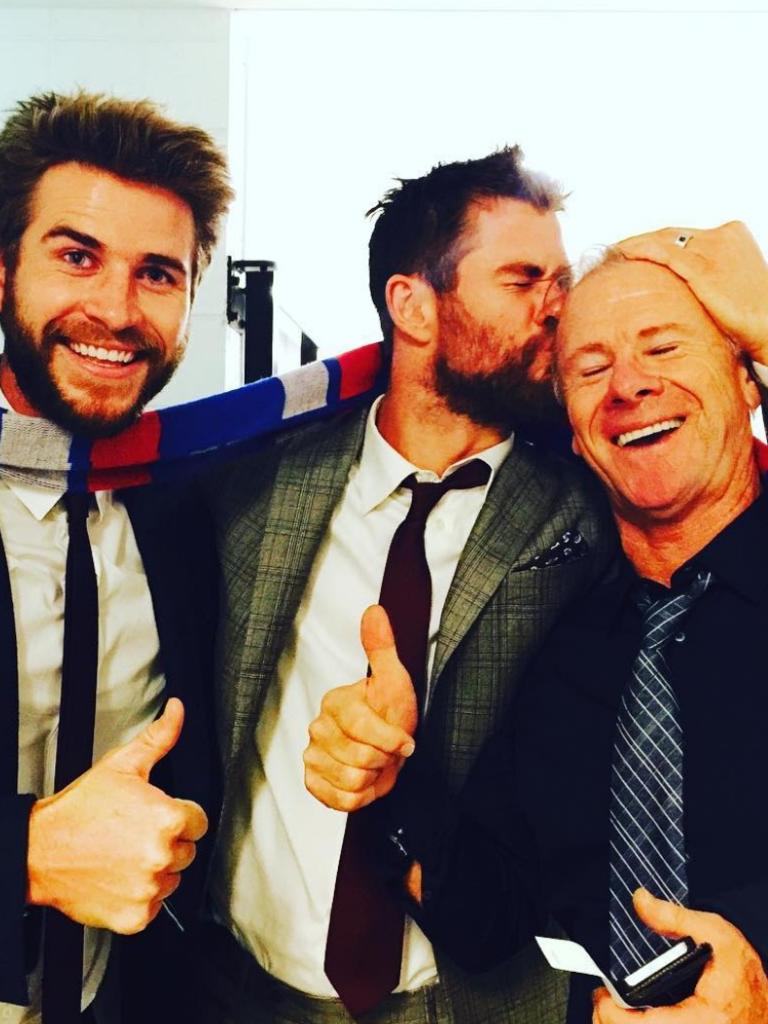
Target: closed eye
[662,350]
[594,371]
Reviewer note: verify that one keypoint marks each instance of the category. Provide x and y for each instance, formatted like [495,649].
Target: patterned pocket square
[568,548]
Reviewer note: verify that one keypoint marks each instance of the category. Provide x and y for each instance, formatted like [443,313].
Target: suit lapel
[9,691]
[308,484]
[512,512]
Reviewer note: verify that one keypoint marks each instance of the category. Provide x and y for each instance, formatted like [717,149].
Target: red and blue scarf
[171,443]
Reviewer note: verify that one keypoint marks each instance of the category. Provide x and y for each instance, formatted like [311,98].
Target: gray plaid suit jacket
[272,512]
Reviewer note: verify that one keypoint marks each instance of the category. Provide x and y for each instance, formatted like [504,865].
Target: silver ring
[682,240]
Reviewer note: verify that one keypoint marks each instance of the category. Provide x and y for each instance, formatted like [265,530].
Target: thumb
[661,916]
[390,690]
[141,754]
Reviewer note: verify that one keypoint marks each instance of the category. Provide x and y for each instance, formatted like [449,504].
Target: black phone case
[672,983]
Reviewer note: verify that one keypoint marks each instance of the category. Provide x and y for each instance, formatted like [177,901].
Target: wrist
[37,845]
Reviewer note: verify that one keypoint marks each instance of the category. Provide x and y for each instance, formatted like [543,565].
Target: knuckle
[156,858]
[358,720]
[175,819]
[173,883]
[132,921]
[311,756]
[149,891]
[328,703]
[364,758]
[348,801]
[353,779]
[311,784]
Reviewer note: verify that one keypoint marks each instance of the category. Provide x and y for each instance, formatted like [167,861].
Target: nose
[552,300]
[630,382]
[112,300]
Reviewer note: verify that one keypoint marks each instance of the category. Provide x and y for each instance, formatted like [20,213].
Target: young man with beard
[108,214]
[468,274]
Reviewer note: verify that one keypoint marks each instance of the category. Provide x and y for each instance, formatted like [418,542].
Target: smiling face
[95,303]
[496,326]
[657,398]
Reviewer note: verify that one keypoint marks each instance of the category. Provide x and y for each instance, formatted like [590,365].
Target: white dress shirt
[33,525]
[279,901]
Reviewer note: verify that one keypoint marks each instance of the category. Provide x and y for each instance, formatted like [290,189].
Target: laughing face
[658,400]
[95,303]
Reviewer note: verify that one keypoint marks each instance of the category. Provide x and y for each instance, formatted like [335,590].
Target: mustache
[87,332]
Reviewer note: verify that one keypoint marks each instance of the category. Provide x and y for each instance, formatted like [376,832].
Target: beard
[505,397]
[31,359]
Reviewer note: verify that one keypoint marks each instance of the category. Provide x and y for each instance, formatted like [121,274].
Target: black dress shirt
[528,836]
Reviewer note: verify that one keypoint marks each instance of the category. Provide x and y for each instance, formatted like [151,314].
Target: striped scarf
[170,444]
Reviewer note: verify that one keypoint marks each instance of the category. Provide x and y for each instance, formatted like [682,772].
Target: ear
[412,304]
[2,279]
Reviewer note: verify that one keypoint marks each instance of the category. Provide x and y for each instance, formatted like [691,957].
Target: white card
[565,955]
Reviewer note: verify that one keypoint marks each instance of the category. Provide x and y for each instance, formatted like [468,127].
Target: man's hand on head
[725,270]
[364,731]
[108,849]
[733,988]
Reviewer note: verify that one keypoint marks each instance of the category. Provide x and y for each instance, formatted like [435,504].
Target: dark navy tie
[63,944]
[646,818]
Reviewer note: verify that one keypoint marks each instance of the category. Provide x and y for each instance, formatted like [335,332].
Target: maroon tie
[364,948]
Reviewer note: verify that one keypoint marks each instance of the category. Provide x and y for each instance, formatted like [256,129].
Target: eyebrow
[529,270]
[155,259]
[586,350]
[651,332]
[534,272]
[63,231]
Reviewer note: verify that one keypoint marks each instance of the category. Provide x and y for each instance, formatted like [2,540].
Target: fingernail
[407,749]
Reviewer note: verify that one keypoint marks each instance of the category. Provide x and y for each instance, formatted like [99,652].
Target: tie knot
[427,495]
[662,615]
[78,504]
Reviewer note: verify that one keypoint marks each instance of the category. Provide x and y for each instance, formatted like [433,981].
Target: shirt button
[680,637]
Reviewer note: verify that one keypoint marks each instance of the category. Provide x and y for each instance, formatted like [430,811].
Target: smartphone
[668,978]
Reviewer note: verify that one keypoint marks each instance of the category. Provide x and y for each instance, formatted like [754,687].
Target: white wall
[179,58]
[647,119]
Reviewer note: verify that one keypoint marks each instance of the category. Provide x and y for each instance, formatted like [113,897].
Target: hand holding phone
[668,978]
[732,986]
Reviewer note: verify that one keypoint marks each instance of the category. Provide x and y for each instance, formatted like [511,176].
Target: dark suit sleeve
[14,821]
[480,884]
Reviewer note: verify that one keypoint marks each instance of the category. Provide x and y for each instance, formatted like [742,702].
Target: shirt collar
[382,468]
[738,555]
[40,500]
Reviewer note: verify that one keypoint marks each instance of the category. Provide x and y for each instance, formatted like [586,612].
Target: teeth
[653,428]
[107,355]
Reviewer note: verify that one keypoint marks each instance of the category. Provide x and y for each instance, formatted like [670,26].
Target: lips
[649,434]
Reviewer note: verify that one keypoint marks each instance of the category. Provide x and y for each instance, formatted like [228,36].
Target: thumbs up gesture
[364,731]
[108,849]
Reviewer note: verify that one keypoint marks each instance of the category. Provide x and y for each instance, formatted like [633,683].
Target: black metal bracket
[250,311]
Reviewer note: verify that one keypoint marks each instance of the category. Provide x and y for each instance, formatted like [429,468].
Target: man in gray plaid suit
[468,274]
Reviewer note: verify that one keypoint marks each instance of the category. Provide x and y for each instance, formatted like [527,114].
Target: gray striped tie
[646,821]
